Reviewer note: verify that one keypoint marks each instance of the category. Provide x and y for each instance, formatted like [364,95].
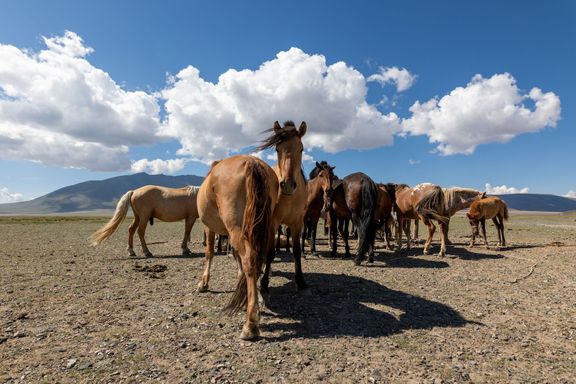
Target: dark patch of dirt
[72,313]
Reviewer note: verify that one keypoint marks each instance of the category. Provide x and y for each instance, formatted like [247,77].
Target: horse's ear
[318,165]
[332,168]
[302,129]
[276,126]
[468,214]
[483,195]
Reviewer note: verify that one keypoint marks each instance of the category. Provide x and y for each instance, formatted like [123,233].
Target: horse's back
[223,194]
[164,203]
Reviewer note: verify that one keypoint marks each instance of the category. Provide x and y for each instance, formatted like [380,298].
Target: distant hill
[537,202]
[94,195]
[104,194]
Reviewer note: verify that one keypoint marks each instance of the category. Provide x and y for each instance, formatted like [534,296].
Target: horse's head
[288,143]
[326,175]
[473,223]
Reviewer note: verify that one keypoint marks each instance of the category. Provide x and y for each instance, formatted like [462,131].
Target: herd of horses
[244,198]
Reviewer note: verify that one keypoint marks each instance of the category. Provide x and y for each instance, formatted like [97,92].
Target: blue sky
[464,93]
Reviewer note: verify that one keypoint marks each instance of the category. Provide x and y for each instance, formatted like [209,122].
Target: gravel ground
[73,313]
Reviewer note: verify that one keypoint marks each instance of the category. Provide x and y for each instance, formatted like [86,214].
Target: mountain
[537,202]
[104,194]
[95,195]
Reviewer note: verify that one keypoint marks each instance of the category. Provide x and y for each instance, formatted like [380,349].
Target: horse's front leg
[208,256]
[333,233]
[299,276]
[345,237]
[265,280]
[443,238]
[187,230]
[483,224]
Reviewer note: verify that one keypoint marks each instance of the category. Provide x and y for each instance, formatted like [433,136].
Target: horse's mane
[193,189]
[279,135]
[402,186]
[450,194]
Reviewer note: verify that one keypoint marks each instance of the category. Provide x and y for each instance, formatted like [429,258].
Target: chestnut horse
[355,198]
[319,187]
[425,202]
[238,198]
[291,206]
[149,202]
[488,208]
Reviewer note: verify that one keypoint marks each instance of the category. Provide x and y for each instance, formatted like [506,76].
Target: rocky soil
[70,313]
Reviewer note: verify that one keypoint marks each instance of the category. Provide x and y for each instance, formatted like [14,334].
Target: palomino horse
[318,189]
[456,199]
[237,199]
[291,206]
[149,202]
[425,202]
[488,208]
[355,198]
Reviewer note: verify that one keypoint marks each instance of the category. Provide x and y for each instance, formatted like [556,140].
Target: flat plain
[70,312]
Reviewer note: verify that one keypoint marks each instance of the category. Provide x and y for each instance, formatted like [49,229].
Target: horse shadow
[464,253]
[343,305]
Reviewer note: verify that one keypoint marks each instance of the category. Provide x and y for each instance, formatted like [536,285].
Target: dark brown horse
[425,202]
[384,207]
[319,187]
[355,198]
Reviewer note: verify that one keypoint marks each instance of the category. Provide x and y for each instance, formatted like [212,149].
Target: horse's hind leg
[345,237]
[297,252]
[208,256]
[250,330]
[131,230]
[141,234]
[187,229]
[431,230]
[483,224]
[502,229]
[443,238]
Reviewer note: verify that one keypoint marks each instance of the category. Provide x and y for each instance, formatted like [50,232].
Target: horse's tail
[107,230]
[505,213]
[366,224]
[256,228]
[432,206]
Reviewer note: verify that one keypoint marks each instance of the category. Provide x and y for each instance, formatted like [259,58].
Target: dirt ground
[73,313]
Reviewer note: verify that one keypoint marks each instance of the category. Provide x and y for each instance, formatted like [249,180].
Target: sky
[476,94]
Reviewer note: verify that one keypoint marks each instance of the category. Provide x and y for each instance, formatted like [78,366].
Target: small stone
[70,363]
[18,334]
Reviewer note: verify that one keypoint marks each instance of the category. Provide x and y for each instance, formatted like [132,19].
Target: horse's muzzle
[288,187]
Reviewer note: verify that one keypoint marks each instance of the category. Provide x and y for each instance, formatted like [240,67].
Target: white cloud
[8,197]
[212,121]
[413,162]
[158,166]
[485,111]
[571,194]
[58,109]
[394,75]
[503,189]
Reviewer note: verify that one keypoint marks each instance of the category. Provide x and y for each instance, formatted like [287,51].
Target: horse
[318,188]
[224,194]
[425,202]
[355,198]
[291,205]
[456,199]
[384,207]
[149,202]
[238,198]
[488,208]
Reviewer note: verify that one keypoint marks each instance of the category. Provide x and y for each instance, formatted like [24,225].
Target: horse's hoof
[187,253]
[148,254]
[250,333]
[202,288]
[357,261]
[425,252]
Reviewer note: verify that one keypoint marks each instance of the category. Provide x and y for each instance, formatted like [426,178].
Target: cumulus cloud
[212,121]
[503,189]
[485,111]
[413,162]
[9,197]
[394,75]
[58,109]
[571,194]
[159,166]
